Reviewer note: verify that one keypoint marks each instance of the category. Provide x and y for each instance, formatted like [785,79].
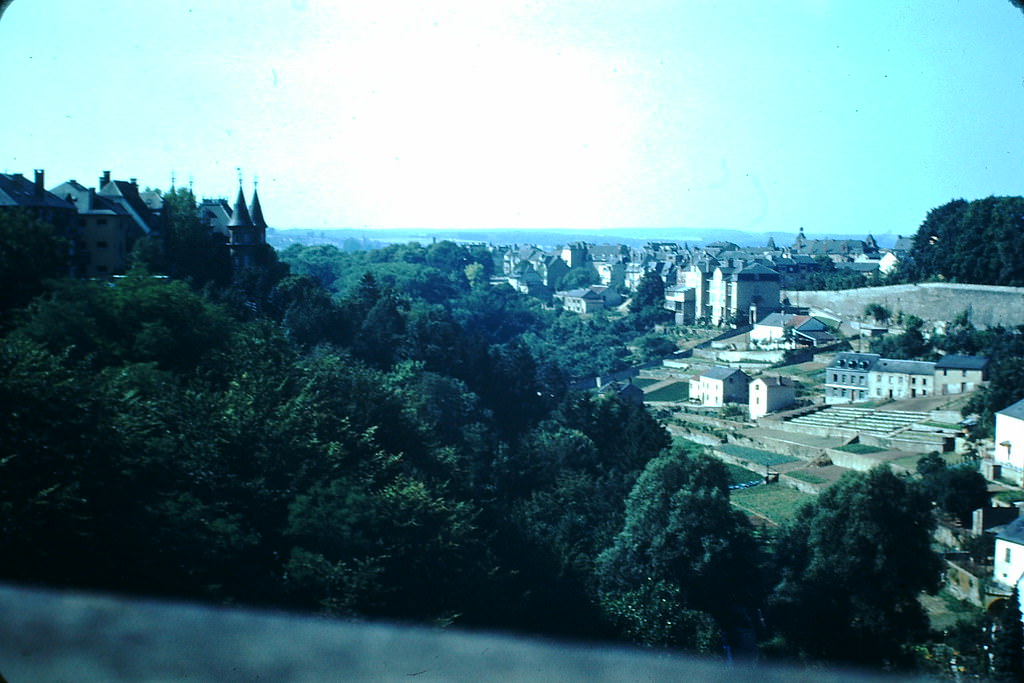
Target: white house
[720,385]
[900,379]
[1009,554]
[1009,450]
[769,394]
[580,300]
[786,330]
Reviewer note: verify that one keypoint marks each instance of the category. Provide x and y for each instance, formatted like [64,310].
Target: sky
[839,116]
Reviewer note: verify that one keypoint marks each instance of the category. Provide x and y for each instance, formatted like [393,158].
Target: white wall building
[1009,450]
[1009,554]
[769,394]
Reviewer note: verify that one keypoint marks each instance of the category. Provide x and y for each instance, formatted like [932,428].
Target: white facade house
[900,379]
[1009,449]
[720,385]
[1008,567]
[769,394]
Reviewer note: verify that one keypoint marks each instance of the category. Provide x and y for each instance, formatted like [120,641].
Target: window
[835,376]
[844,379]
[101,221]
[102,244]
[1007,558]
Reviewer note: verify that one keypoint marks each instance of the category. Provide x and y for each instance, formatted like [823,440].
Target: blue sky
[838,116]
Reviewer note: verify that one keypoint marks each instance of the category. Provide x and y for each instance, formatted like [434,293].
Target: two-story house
[956,374]
[720,385]
[899,379]
[768,394]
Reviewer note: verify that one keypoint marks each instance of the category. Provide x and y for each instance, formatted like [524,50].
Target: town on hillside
[793,364]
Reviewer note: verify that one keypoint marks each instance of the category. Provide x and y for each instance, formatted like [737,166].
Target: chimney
[92,199]
[104,179]
[39,182]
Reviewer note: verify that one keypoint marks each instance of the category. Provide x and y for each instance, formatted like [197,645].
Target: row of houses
[853,377]
[102,223]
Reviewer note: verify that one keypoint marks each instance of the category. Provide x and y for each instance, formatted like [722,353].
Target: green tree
[852,564]
[579,277]
[650,292]
[957,491]
[31,253]
[877,311]
[683,543]
[1008,640]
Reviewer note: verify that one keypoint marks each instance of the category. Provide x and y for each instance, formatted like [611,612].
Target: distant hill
[350,238]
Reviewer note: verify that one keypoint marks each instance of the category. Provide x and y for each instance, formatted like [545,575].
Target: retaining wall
[987,305]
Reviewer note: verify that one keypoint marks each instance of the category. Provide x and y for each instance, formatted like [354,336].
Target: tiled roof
[904,367]
[854,361]
[955,361]
[775,381]
[240,214]
[719,372]
[87,201]
[1014,531]
[17,190]
[1016,410]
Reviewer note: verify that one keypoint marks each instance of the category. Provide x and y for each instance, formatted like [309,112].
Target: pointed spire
[256,210]
[240,215]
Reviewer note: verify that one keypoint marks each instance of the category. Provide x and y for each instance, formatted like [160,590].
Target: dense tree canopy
[385,433]
[852,564]
[978,241]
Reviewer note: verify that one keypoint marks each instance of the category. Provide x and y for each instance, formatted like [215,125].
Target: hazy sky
[836,115]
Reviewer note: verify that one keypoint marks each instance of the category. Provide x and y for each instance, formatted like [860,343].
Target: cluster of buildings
[719,385]
[719,283]
[102,223]
[853,377]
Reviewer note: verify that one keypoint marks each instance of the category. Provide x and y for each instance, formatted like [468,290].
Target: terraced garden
[755,455]
[775,502]
[677,391]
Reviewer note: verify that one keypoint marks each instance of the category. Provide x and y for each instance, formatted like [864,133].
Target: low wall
[852,461]
[987,305]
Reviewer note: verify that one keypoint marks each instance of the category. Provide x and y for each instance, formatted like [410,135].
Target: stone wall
[987,305]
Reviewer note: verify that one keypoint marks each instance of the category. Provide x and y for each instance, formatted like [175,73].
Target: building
[1009,442]
[743,293]
[583,300]
[1008,565]
[789,330]
[105,231]
[956,374]
[720,385]
[846,377]
[681,300]
[248,233]
[18,193]
[770,394]
[900,379]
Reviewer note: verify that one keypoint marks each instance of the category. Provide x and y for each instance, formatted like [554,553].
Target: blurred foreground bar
[67,636]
